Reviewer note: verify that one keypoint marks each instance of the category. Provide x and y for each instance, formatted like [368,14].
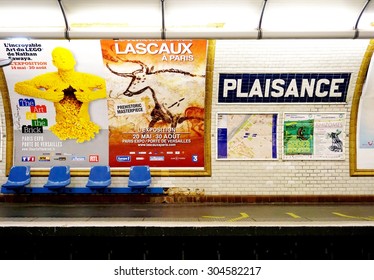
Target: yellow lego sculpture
[71,92]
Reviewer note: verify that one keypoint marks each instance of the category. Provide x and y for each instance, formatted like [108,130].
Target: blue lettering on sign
[274,134]
[25,102]
[283,88]
[123,158]
[222,142]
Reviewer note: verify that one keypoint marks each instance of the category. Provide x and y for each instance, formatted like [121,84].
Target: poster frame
[249,113]
[353,168]
[312,159]
[124,171]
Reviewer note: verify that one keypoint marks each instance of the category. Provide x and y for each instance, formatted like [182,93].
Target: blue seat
[19,177]
[58,178]
[140,177]
[99,177]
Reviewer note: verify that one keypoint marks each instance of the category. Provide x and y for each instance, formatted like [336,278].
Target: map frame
[273,150]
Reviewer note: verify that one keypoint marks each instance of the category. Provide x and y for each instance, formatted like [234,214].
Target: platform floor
[186,231]
[186,215]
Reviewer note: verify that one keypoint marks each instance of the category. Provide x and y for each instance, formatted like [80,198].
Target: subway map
[249,136]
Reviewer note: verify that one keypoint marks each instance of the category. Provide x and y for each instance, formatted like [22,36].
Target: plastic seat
[99,177]
[58,178]
[140,177]
[19,177]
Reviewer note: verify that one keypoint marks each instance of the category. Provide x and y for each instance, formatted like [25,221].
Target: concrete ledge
[155,198]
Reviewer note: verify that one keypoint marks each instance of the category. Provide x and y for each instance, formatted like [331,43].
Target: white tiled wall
[277,177]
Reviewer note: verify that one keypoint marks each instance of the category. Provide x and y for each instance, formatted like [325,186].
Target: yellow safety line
[242,216]
[293,215]
[353,217]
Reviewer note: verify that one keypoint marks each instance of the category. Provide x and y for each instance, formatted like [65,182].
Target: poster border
[248,113]
[165,172]
[312,159]
[8,122]
[353,170]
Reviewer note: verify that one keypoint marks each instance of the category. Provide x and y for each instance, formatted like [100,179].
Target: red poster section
[156,102]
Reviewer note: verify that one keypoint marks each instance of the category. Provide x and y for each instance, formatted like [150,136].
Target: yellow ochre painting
[71,92]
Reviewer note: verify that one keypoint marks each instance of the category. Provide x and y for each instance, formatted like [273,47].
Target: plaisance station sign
[283,88]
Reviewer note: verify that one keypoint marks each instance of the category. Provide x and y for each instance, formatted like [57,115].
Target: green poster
[298,137]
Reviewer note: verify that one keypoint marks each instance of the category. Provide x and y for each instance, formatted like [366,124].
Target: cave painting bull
[178,95]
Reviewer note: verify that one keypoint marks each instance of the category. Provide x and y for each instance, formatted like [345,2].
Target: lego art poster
[58,102]
[156,102]
[314,136]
